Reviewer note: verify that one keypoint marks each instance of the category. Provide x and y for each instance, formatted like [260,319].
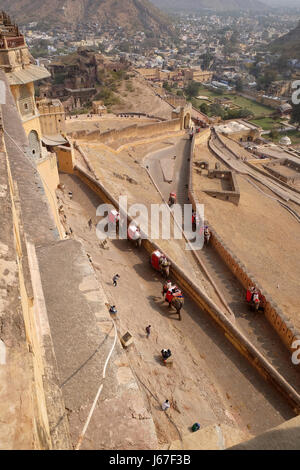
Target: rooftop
[29,74]
[234,126]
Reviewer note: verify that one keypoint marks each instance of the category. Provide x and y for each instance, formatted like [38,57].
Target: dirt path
[255,326]
[125,174]
[209,381]
[138,96]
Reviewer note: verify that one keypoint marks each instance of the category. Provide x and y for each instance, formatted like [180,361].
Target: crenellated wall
[128,133]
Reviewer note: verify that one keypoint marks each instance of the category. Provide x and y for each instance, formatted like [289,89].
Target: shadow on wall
[276,439]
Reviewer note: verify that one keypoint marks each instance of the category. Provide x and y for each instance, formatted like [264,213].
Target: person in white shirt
[166,405]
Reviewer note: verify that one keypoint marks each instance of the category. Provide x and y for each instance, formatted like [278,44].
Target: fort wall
[128,133]
[65,158]
[33,223]
[47,168]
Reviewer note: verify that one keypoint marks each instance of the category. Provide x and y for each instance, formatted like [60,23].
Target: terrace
[12,42]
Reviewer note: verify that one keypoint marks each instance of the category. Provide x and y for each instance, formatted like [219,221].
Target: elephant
[255,302]
[172,201]
[177,303]
[207,236]
[134,235]
[165,269]
[138,242]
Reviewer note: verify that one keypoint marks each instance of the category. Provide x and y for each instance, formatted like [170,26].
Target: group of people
[113,310]
[165,353]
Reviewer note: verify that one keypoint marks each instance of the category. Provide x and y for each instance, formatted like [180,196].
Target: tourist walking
[115,280]
[166,405]
[113,310]
[148,330]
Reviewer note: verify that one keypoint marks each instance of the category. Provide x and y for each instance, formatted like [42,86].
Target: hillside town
[225,55]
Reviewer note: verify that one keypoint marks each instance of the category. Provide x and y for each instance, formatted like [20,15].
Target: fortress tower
[21,73]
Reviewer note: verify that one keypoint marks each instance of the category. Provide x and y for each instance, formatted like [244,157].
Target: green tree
[239,85]
[217,110]
[204,108]
[192,89]
[124,47]
[167,87]
[267,79]
[207,59]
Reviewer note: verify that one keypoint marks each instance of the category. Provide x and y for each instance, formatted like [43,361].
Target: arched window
[34,144]
[25,101]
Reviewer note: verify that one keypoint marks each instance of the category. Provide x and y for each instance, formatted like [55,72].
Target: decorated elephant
[160,263]
[134,235]
[177,303]
[253,297]
[174,297]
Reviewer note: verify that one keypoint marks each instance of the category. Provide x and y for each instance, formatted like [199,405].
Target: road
[209,382]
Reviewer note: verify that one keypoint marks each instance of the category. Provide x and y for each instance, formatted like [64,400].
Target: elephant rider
[114,217]
[206,234]
[255,297]
[166,353]
[167,286]
[134,232]
[163,262]
[254,294]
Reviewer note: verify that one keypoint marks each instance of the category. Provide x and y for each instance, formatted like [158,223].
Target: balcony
[12,42]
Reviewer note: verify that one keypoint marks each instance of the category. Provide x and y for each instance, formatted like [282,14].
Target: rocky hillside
[130,14]
[217,5]
[288,45]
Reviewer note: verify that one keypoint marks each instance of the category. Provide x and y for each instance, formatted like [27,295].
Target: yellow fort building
[21,73]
